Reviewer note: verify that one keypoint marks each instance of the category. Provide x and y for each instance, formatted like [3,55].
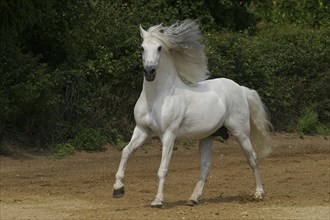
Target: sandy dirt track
[296,178]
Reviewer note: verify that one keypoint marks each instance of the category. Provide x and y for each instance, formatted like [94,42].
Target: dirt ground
[296,178]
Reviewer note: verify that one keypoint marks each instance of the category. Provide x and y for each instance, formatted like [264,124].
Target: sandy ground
[296,178]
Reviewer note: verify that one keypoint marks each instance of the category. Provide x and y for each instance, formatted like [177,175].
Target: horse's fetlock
[119,176]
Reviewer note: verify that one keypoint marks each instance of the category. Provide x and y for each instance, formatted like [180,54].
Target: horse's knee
[162,173]
[126,152]
[206,164]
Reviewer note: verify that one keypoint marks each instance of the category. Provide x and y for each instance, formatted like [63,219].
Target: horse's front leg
[138,138]
[205,151]
[167,149]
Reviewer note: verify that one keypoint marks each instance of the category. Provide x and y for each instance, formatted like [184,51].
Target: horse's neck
[165,81]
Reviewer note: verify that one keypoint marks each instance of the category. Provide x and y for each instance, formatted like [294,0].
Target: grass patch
[63,150]
[308,124]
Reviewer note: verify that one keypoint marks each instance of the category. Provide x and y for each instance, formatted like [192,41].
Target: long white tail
[259,123]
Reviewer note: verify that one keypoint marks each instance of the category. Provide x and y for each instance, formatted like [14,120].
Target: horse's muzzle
[149,73]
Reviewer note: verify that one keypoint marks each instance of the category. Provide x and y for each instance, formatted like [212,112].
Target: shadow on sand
[241,198]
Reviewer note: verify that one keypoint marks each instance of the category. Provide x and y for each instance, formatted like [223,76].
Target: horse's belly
[193,135]
[204,115]
[200,127]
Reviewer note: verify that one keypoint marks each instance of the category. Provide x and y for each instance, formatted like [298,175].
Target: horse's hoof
[258,196]
[159,206]
[191,203]
[117,193]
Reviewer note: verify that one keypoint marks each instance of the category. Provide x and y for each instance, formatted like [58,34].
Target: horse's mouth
[150,77]
[150,73]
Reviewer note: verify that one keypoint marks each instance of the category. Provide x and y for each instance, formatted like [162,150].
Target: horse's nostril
[150,73]
[149,70]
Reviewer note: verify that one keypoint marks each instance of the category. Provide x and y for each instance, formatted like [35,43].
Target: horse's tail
[259,124]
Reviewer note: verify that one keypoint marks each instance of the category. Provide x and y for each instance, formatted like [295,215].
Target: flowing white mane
[183,41]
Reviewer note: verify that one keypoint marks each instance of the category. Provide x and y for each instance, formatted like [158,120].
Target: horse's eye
[159,48]
[142,49]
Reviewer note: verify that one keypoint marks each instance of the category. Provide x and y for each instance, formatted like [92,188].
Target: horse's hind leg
[246,146]
[205,163]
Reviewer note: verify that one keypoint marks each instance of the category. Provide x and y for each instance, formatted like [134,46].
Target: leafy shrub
[323,130]
[289,67]
[86,139]
[308,123]
[89,139]
[118,139]
[305,13]
[63,150]
[72,73]
[24,90]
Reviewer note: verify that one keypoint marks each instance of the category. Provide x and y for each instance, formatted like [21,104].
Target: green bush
[71,71]
[63,150]
[86,139]
[308,123]
[25,87]
[323,130]
[89,140]
[289,66]
[304,12]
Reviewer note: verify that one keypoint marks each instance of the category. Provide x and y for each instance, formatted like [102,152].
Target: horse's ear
[143,33]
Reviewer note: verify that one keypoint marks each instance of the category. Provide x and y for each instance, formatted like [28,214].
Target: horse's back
[226,89]
[221,83]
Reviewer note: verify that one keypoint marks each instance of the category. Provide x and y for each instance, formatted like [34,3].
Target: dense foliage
[71,70]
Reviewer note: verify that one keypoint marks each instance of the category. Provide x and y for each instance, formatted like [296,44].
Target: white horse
[177,102]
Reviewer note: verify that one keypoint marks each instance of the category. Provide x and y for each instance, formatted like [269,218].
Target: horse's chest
[157,117]
[151,120]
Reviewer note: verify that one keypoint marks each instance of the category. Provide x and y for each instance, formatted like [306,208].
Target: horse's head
[151,52]
[178,47]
